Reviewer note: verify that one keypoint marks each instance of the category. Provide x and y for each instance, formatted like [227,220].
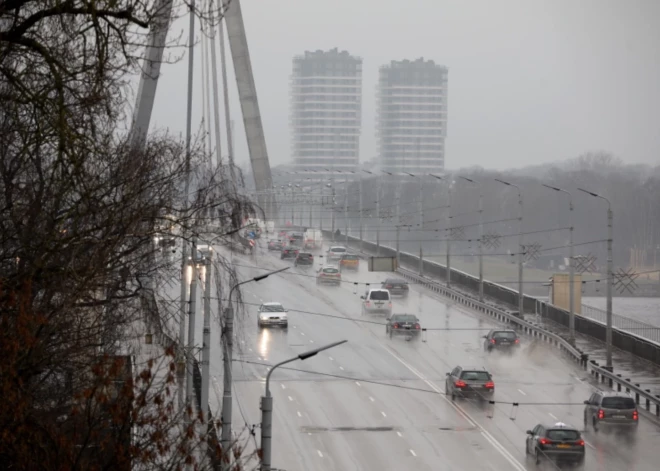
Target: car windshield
[617,402]
[330,270]
[504,335]
[475,375]
[380,295]
[272,308]
[404,318]
[563,434]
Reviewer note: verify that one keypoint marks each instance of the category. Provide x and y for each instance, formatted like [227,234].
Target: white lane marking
[251,349]
[268,368]
[295,326]
[497,445]
[283,387]
[357,382]
[590,445]
[319,452]
[412,452]
[342,368]
[553,416]
[578,379]
[371,399]
[290,398]
[522,392]
[331,358]
[311,341]
[399,434]
[384,414]
[302,333]
[299,414]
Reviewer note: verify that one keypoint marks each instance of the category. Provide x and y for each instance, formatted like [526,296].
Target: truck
[313,239]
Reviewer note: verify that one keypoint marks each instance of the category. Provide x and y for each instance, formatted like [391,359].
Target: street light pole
[421,222]
[191,325]
[360,210]
[571,258]
[228,337]
[481,236]
[521,250]
[610,270]
[267,406]
[206,339]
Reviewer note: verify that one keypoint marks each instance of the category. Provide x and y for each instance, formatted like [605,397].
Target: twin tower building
[326,105]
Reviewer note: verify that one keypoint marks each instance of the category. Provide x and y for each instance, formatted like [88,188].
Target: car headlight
[262,316]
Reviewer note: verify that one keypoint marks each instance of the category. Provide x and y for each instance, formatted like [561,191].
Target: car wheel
[586,422]
[285,326]
[259,325]
[537,457]
[453,395]
[594,425]
[390,334]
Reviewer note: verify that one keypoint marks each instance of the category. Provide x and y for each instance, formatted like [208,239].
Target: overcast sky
[530,81]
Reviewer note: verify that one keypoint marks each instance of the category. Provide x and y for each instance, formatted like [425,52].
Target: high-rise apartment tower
[326,92]
[412,117]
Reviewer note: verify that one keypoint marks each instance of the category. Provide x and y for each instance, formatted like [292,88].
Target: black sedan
[396,286]
[274,245]
[403,324]
[289,252]
[502,340]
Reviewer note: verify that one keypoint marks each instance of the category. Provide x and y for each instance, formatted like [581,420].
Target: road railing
[615,381]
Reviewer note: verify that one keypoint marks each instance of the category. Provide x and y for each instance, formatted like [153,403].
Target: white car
[272,314]
[335,253]
[377,300]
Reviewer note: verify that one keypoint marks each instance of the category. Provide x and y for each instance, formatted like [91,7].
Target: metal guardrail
[625,324]
[602,374]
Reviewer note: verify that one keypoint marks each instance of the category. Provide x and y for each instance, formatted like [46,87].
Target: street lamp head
[589,192]
[551,187]
[503,182]
[466,179]
[266,275]
[311,353]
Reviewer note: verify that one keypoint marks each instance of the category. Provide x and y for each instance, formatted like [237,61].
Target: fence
[626,324]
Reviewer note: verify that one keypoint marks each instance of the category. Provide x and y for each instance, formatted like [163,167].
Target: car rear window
[338,250]
[351,257]
[475,375]
[563,434]
[618,403]
[330,270]
[404,318]
[380,295]
[304,255]
[504,335]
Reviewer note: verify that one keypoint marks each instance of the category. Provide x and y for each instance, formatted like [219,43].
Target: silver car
[611,410]
[272,314]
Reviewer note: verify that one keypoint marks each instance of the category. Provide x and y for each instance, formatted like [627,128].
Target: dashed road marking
[553,416]
[384,414]
[371,399]
[299,414]
[399,434]
[590,445]
[357,382]
[311,341]
[283,387]
[331,358]
[251,349]
[342,368]
[412,452]
[319,452]
[522,392]
[302,333]
[290,398]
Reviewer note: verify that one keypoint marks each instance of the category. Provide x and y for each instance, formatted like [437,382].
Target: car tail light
[580,442]
[396,325]
[388,286]
[492,341]
[517,341]
[544,441]
[367,303]
[390,303]
[490,385]
[601,414]
[460,384]
[417,326]
[635,415]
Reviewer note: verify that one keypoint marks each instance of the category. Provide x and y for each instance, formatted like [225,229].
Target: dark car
[500,339]
[304,259]
[289,252]
[612,411]
[296,238]
[558,443]
[275,245]
[472,383]
[396,286]
[403,324]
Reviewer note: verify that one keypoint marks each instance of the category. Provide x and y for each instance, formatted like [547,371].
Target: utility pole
[206,343]
[610,274]
[448,243]
[191,325]
[481,236]
[378,216]
[333,211]
[521,250]
[361,210]
[398,222]
[421,219]
[346,215]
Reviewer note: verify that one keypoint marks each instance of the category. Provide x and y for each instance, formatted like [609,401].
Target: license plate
[563,445]
[619,416]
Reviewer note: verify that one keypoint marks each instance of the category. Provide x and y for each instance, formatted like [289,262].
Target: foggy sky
[530,81]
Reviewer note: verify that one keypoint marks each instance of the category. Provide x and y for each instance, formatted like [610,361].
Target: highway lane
[349,424]
[536,375]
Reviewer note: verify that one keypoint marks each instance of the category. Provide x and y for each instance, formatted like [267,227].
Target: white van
[377,300]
